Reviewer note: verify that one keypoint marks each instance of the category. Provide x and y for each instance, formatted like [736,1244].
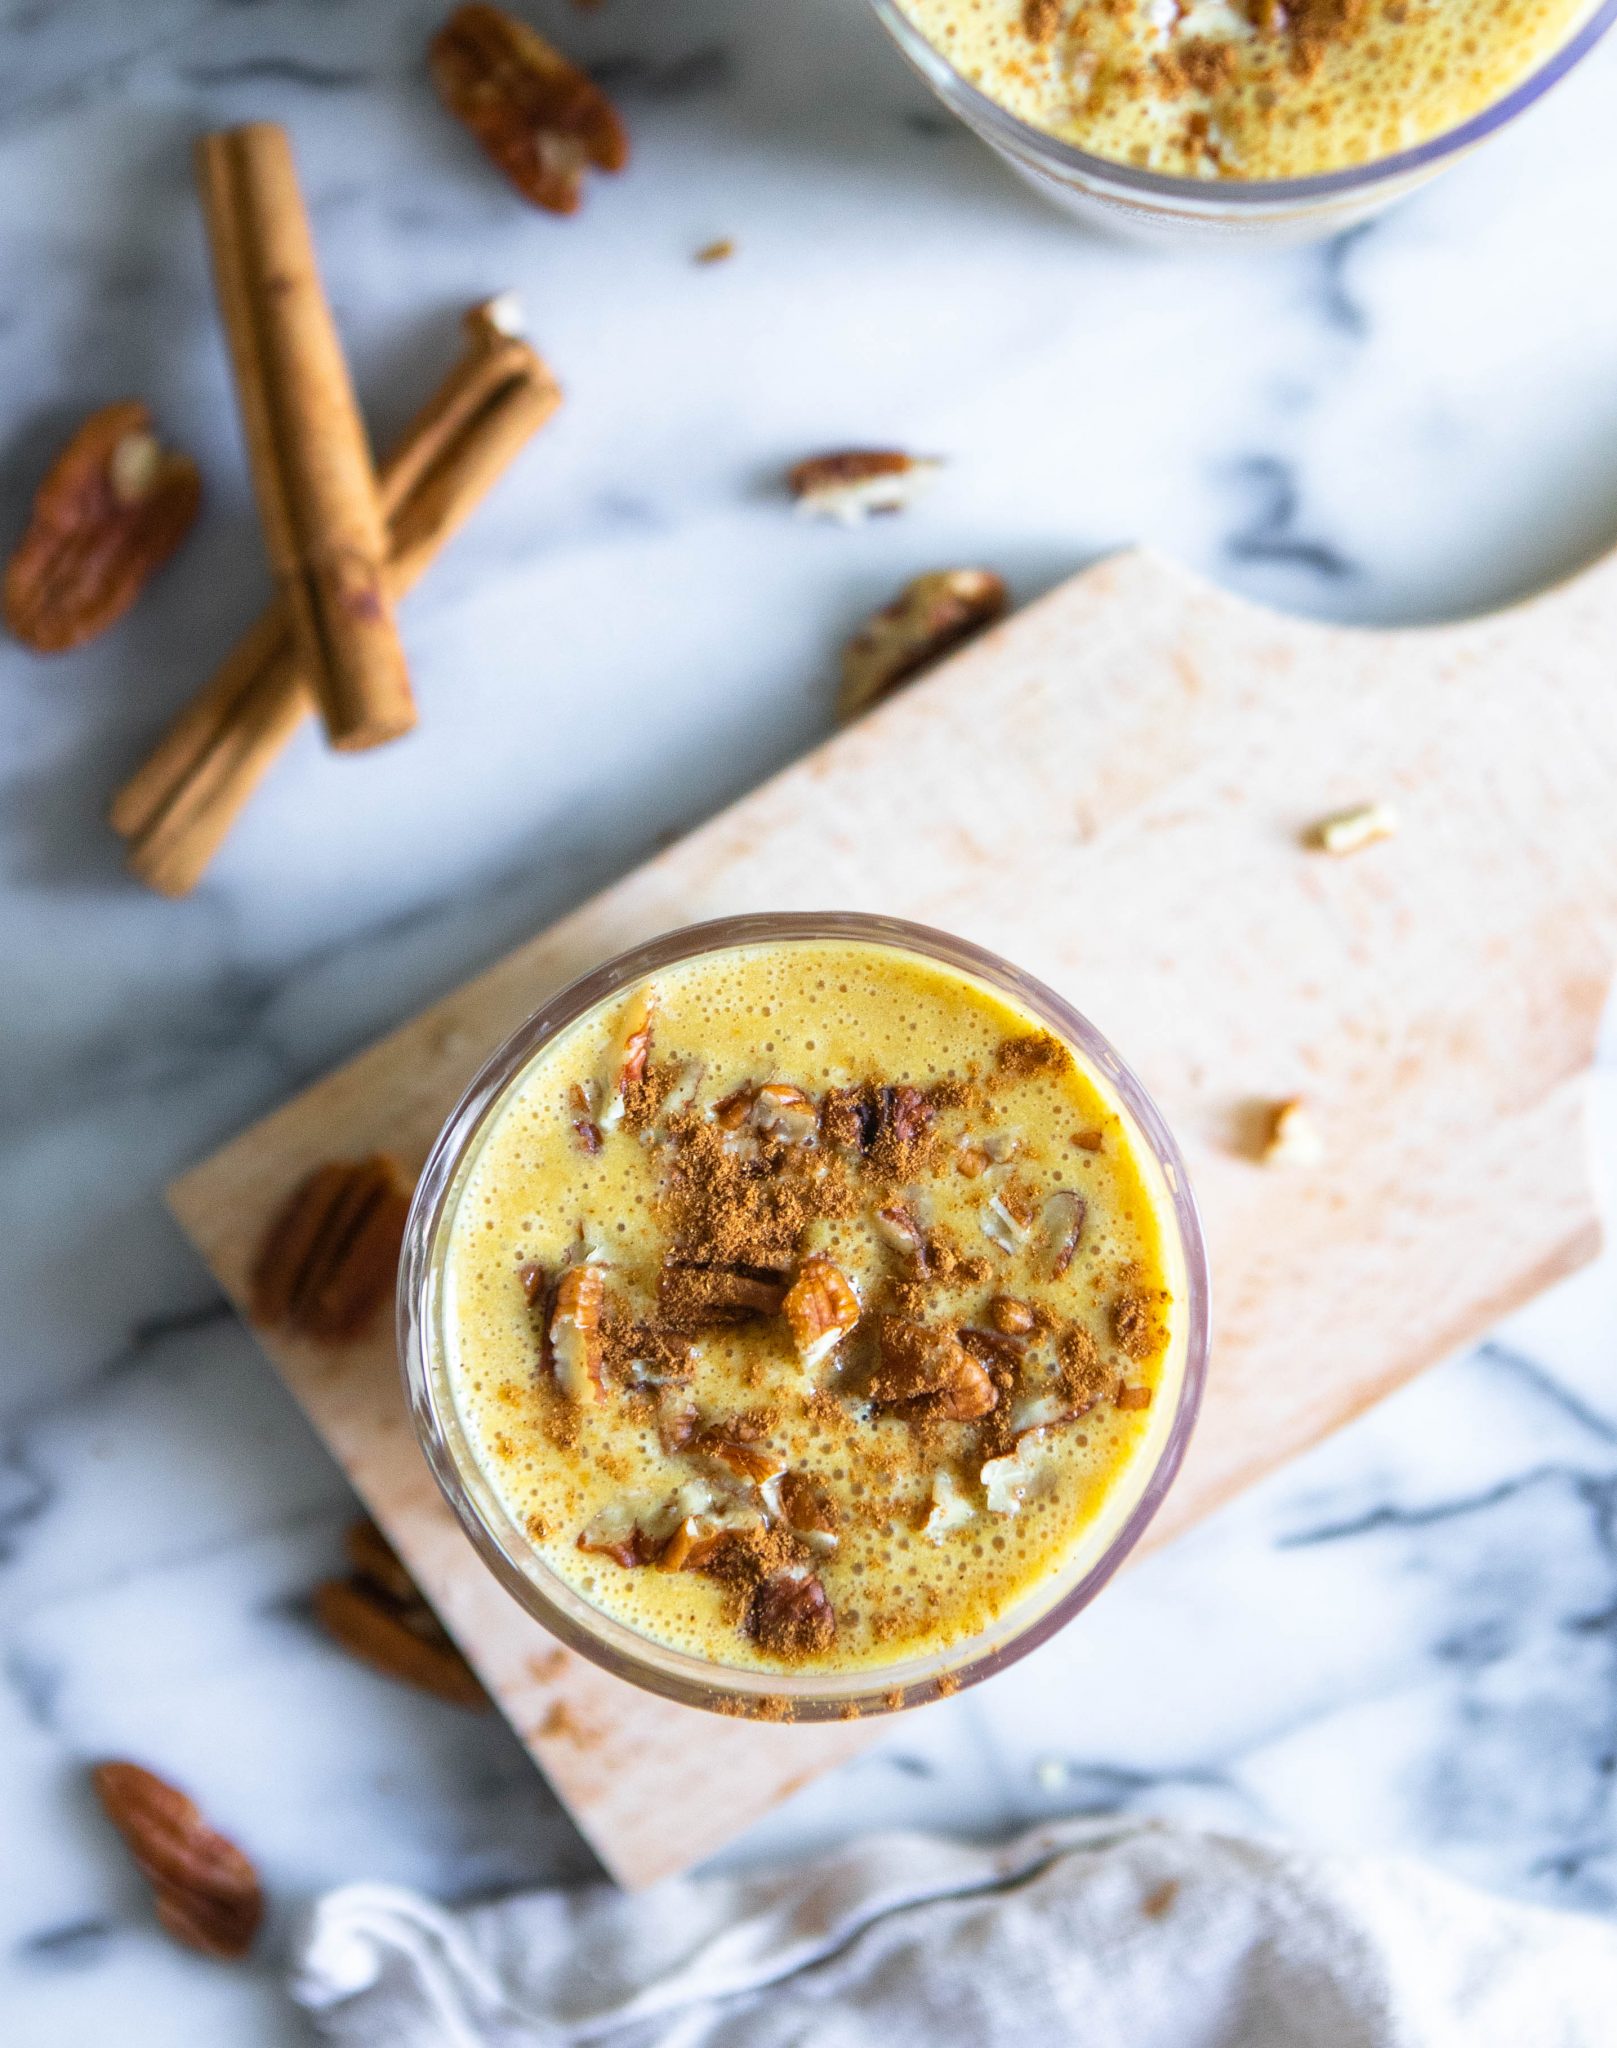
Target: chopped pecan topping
[586,1131]
[1006,1480]
[783,1112]
[111,510]
[821,1308]
[206,1891]
[616,1533]
[1132,1397]
[898,1227]
[1062,1224]
[854,483]
[928,619]
[1010,1317]
[575,1333]
[696,1297]
[1134,1324]
[1033,1052]
[808,1510]
[926,1366]
[330,1258]
[540,119]
[951,1509]
[1005,1223]
[993,1347]
[790,1614]
[626,1088]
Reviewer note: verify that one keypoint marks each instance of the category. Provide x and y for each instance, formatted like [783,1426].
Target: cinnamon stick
[306,444]
[177,807]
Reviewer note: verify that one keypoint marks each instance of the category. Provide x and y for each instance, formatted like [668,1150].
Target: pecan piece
[821,1308]
[928,619]
[392,1629]
[330,1258]
[852,484]
[1063,1227]
[784,1112]
[929,1368]
[1294,1138]
[790,1615]
[205,1890]
[540,119]
[1131,1398]
[807,1510]
[626,1090]
[616,1533]
[697,1297]
[576,1351]
[739,1444]
[1010,1317]
[113,507]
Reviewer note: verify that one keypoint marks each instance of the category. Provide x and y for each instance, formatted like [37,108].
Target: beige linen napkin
[1104,1934]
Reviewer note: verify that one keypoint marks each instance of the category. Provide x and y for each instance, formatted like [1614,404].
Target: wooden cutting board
[1113,789]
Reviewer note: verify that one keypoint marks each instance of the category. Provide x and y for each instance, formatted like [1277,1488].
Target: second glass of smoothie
[804,1314]
[1280,119]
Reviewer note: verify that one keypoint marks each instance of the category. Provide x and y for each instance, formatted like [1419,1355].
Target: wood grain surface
[1114,789]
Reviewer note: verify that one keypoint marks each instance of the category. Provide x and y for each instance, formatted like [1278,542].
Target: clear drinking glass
[1149,206]
[809,1695]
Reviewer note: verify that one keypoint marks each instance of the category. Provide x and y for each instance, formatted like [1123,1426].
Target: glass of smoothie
[1186,120]
[804,1315]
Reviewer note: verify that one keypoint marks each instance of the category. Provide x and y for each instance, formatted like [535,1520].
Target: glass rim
[541,1591]
[1021,140]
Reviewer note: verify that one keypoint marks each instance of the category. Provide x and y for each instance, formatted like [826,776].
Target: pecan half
[852,484]
[330,1258]
[576,1351]
[400,1637]
[113,507]
[931,1368]
[821,1308]
[790,1615]
[700,1297]
[928,619]
[206,1891]
[541,120]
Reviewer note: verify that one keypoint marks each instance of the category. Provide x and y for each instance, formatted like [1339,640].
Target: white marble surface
[1407,1640]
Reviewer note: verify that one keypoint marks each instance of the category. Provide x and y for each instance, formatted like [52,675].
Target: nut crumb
[929,618]
[1294,1138]
[1351,831]
[716,252]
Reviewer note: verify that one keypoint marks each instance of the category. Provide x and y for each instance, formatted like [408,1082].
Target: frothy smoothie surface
[1246,88]
[810,1306]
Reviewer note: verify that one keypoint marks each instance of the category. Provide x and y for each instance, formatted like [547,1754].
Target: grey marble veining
[1409,1639]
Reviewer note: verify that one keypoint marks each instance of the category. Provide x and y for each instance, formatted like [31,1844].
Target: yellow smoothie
[809,1306]
[1246,88]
